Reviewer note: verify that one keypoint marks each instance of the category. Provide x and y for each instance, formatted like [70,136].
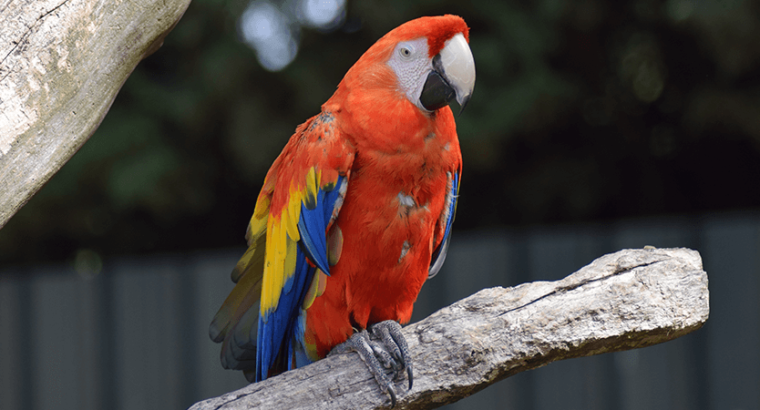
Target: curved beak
[453,76]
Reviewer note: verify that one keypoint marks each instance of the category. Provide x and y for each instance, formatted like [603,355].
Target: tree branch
[62,62]
[626,300]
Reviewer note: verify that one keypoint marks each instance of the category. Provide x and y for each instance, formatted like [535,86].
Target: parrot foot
[383,347]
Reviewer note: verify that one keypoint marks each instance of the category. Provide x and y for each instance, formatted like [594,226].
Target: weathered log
[62,62]
[626,300]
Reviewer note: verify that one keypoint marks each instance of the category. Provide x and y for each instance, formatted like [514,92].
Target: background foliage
[587,110]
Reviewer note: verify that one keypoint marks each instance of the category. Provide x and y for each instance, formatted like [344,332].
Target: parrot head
[438,66]
[426,61]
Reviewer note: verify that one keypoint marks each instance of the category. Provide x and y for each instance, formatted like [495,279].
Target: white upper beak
[459,67]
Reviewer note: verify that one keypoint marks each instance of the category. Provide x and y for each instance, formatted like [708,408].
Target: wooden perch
[626,300]
[62,62]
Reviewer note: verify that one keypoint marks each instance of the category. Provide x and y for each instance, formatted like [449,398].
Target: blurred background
[595,125]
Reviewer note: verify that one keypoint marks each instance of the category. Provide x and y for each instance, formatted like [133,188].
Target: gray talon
[390,333]
[383,347]
[392,392]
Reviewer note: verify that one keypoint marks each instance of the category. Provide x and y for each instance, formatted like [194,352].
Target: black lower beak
[436,93]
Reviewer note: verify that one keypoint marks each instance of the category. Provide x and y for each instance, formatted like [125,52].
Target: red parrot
[356,212]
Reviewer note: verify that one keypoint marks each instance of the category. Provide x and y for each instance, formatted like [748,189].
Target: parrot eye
[405,51]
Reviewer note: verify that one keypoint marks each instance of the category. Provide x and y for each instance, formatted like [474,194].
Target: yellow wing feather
[281,249]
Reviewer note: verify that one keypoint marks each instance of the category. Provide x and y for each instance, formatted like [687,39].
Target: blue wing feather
[278,333]
[274,331]
[309,226]
[313,224]
[439,255]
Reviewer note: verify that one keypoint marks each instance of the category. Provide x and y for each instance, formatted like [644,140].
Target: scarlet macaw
[356,212]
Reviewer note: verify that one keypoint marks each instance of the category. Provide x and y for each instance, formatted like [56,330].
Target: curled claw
[389,332]
[383,347]
[392,392]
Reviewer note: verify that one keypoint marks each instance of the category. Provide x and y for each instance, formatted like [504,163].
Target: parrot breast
[388,223]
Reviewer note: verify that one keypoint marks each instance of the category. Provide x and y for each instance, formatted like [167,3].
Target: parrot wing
[445,222]
[275,279]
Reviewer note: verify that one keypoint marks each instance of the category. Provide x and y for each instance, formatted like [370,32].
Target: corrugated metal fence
[135,336]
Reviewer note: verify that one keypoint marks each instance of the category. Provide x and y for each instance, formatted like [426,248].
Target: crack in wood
[565,289]
[27,33]
[237,397]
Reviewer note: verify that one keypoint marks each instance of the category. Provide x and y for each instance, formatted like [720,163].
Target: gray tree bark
[626,300]
[62,62]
